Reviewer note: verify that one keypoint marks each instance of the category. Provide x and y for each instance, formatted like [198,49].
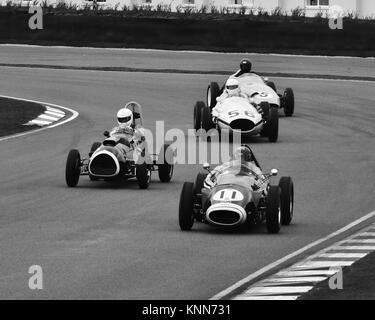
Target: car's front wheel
[143,174]
[165,169]
[273,211]
[288,102]
[198,115]
[286,200]
[73,168]
[185,212]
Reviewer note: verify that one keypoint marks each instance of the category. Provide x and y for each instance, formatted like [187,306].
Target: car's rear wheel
[143,175]
[286,200]
[288,102]
[213,91]
[165,169]
[207,122]
[198,115]
[273,211]
[73,168]
[185,212]
[265,106]
[273,125]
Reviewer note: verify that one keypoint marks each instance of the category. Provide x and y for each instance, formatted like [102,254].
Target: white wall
[366,8]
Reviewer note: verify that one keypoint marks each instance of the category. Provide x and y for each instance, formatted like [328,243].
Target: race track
[115,241]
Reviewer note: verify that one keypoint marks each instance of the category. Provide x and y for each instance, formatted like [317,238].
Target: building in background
[362,8]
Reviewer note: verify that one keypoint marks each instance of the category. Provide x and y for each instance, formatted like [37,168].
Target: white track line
[72,117]
[287,258]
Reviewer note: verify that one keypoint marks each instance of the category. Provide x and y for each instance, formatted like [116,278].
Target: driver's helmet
[245,66]
[232,87]
[124,118]
[243,153]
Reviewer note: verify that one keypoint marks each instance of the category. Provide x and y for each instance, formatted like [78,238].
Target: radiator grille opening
[224,217]
[242,124]
[103,165]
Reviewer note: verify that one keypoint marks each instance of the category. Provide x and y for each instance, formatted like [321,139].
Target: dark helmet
[245,65]
[243,153]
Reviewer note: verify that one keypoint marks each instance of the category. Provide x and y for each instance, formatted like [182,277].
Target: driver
[232,89]
[245,68]
[242,155]
[126,130]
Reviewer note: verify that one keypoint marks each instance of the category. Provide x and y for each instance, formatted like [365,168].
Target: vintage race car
[239,115]
[260,89]
[239,196]
[117,158]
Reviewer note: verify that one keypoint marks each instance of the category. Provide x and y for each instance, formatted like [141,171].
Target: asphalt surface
[185,60]
[103,240]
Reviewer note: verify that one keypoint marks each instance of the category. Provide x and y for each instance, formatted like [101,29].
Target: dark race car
[238,196]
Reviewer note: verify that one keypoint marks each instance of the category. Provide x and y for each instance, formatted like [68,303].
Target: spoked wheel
[213,91]
[185,212]
[73,168]
[287,200]
[273,211]
[143,174]
[198,115]
[288,102]
[165,169]
[207,122]
[273,125]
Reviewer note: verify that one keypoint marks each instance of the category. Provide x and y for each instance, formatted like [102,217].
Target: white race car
[260,89]
[239,115]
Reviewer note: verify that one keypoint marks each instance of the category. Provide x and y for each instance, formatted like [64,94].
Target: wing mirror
[206,166]
[106,134]
[274,172]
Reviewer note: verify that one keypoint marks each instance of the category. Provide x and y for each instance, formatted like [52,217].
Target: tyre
[286,200]
[94,147]
[143,175]
[73,168]
[199,181]
[273,212]
[165,169]
[213,91]
[288,102]
[207,122]
[273,125]
[198,115]
[266,114]
[272,85]
[185,211]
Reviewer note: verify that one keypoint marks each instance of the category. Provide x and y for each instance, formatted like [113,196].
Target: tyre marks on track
[298,279]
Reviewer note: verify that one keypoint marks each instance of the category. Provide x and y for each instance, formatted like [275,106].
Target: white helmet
[124,117]
[232,87]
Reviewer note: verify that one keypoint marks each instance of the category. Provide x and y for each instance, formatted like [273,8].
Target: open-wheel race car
[261,89]
[239,196]
[121,156]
